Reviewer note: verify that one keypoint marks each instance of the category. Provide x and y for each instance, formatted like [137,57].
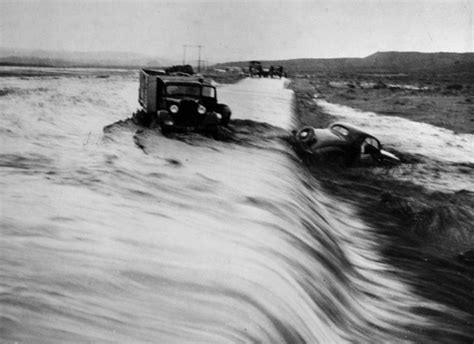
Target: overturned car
[343,145]
[176,103]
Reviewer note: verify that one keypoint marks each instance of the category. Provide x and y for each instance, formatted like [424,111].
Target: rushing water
[446,159]
[128,236]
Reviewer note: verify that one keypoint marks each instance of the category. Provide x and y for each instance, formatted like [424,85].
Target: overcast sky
[239,30]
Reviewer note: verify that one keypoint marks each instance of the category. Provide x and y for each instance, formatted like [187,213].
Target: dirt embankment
[429,234]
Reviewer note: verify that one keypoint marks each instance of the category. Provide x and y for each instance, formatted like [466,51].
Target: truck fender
[225,112]
[211,119]
[163,117]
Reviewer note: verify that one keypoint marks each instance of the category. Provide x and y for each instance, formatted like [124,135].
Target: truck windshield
[182,89]
[208,92]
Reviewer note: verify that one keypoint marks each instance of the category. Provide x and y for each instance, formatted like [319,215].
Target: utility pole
[199,59]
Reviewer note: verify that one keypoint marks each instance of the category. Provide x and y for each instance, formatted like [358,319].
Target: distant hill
[387,62]
[415,61]
[45,58]
[380,62]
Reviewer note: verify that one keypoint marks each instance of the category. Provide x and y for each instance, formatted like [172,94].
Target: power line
[199,61]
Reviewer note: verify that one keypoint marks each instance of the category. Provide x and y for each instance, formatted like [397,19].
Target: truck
[179,103]
[255,69]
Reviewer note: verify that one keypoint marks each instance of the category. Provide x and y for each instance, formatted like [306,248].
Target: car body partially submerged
[342,144]
[177,103]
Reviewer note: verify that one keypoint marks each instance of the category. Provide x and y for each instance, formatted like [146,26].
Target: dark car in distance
[177,103]
[343,145]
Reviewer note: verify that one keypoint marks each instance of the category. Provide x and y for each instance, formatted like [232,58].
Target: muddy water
[445,159]
[124,235]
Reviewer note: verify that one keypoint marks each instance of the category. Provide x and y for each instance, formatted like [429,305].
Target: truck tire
[166,129]
[214,131]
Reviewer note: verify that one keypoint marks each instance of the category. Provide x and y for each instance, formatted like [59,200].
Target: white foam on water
[198,241]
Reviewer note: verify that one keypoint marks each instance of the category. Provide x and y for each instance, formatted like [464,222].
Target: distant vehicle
[343,145]
[265,72]
[179,103]
[276,71]
[255,69]
[180,70]
[234,70]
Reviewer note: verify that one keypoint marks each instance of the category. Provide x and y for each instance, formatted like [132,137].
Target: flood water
[445,159]
[124,235]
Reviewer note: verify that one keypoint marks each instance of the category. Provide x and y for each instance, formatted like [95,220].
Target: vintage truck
[276,71]
[255,69]
[177,103]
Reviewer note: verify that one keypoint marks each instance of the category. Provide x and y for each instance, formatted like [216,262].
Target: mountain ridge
[56,58]
[381,61]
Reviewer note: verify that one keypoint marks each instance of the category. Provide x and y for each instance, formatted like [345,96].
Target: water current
[124,235]
[445,159]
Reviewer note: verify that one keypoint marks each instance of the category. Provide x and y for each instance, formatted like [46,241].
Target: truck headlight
[201,109]
[174,108]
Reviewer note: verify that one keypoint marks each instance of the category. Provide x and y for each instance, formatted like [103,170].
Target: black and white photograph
[236,171]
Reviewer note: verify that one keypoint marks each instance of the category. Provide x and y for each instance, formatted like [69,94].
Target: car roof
[328,137]
[354,131]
